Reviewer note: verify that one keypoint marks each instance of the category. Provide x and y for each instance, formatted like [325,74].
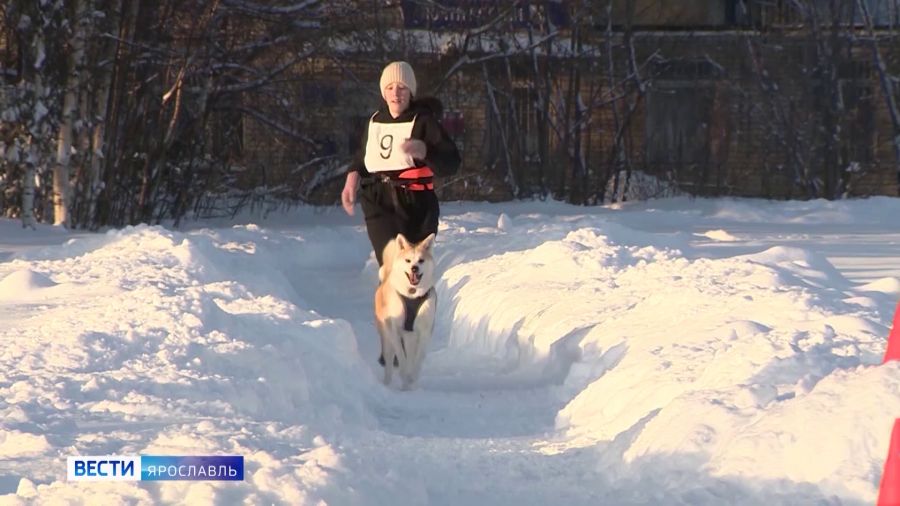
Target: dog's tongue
[413,278]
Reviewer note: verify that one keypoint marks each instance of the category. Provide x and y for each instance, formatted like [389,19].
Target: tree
[32,117]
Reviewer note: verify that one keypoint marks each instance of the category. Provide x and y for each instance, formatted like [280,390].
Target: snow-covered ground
[701,352]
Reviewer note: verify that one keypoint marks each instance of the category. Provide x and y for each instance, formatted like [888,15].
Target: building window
[526,113]
[454,124]
[858,142]
[788,13]
[884,13]
[677,127]
[767,13]
[468,14]
[848,97]
[320,94]
[516,121]
[686,69]
[325,146]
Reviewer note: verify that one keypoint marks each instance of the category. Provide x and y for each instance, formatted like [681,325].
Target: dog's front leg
[387,351]
[408,364]
[404,357]
[415,367]
[422,336]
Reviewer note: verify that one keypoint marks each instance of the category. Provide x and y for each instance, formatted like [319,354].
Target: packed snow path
[471,430]
[678,352]
[466,435]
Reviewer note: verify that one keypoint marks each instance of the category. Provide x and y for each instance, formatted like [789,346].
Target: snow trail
[454,398]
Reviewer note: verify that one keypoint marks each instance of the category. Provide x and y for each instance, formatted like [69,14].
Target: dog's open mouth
[414,278]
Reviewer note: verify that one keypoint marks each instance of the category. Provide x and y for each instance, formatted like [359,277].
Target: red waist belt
[416,179]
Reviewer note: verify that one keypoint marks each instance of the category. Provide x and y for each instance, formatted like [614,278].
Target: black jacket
[441,156]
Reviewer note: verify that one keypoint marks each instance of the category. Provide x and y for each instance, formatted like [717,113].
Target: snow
[678,351]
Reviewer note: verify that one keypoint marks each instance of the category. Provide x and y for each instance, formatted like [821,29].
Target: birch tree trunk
[94,182]
[28,220]
[38,147]
[28,197]
[61,190]
[61,170]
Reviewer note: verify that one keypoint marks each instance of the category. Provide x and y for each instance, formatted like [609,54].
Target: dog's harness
[411,305]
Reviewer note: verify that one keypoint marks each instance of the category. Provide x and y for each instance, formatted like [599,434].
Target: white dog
[405,303]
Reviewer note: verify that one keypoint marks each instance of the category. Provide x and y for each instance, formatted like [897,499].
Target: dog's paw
[381,361]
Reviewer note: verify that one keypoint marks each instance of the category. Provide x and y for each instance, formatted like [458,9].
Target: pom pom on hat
[398,72]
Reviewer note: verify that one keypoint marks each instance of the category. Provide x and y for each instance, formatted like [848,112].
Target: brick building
[717,99]
[559,97]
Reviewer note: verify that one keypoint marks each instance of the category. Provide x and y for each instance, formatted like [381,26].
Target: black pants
[392,210]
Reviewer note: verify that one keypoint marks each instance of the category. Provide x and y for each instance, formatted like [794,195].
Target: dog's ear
[426,243]
[403,242]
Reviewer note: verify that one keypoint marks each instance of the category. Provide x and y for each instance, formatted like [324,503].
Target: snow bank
[174,343]
[744,366]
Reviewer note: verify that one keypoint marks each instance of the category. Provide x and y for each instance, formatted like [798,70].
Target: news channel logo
[155,468]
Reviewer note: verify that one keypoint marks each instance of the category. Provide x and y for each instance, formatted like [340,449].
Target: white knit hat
[398,72]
